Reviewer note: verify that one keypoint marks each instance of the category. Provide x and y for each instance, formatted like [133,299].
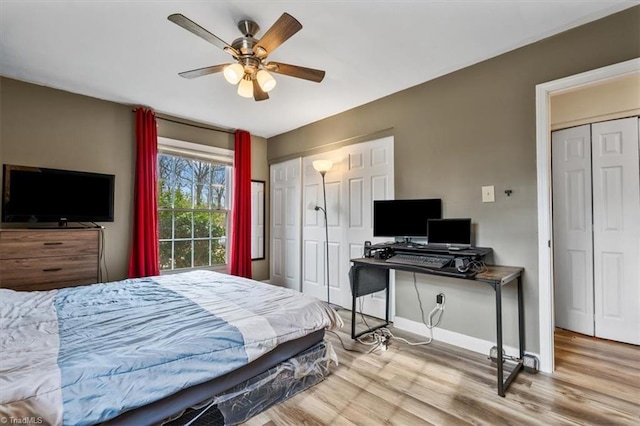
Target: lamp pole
[322,167]
[326,235]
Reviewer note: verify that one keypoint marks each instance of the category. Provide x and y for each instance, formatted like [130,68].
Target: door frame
[544,191]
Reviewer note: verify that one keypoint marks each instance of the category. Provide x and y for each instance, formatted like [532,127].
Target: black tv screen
[450,232]
[37,194]
[404,218]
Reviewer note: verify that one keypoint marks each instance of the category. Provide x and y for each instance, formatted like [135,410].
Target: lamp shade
[245,88]
[233,73]
[266,81]
[322,166]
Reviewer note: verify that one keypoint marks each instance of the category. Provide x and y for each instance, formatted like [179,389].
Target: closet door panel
[286,188]
[368,176]
[572,229]
[616,215]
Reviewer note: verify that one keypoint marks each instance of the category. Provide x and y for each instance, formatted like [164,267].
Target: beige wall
[46,127]
[471,128]
[617,98]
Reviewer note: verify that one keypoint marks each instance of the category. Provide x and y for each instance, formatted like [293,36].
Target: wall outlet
[488,194]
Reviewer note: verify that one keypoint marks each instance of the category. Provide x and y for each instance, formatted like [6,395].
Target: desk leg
[498,289]
[520,318]
[502,384]
[388,296]
[353,314]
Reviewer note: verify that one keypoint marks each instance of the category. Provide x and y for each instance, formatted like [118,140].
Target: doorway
[596,231]
[543,154]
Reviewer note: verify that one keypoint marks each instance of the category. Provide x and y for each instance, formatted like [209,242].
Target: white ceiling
[128,52]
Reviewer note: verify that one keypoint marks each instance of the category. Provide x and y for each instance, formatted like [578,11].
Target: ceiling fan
[251,69]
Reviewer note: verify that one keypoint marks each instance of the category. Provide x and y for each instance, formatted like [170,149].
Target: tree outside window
[193,212]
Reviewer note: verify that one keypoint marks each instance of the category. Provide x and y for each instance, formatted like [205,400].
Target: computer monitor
[404,218]
[450,232]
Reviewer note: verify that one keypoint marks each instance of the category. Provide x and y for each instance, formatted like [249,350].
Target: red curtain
[241,209]
[143,261]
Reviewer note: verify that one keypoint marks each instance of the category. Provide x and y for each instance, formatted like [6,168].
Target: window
[193,206]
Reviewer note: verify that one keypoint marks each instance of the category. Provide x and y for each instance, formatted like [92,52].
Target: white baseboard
[451,337]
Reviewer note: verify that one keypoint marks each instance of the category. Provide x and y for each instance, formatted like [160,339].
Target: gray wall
[46,127]
[471,128]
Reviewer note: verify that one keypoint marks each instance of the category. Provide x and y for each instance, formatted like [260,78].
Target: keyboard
[432,262]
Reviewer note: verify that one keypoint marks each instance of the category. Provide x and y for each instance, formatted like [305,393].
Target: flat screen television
[450,232]
[38,194]
[404,218]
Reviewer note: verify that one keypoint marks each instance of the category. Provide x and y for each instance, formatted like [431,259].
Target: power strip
[529,362]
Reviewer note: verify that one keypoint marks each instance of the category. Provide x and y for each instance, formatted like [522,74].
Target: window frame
[215,155]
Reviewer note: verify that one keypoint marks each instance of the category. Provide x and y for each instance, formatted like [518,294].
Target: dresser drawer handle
[53,244]
[52,270]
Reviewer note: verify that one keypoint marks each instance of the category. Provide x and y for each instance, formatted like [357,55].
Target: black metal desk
[495,276]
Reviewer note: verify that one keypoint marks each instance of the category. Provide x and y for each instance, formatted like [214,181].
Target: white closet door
[368,176]
[616,212]
[286,188]
[314,241]
[572,229]
[361,173]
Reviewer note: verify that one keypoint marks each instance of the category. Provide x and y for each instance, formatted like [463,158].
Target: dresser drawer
[38,273]
[23,244]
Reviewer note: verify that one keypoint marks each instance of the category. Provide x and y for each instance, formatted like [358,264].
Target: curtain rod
[230,132]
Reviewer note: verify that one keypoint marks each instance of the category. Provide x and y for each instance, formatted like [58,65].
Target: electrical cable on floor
[361,303]
[382,336]
[352,350]
[376,339]
[376,342]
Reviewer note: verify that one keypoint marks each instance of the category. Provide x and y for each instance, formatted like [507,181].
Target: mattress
[186,398]
[263,391]
[86,355]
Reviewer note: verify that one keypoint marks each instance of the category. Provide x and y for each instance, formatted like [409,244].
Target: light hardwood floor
[596,382]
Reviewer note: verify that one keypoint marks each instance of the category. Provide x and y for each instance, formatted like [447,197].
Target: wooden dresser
[45,259]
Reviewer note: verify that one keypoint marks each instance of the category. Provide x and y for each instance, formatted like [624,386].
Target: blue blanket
[123,345]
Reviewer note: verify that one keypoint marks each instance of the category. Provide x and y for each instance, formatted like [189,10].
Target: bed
[142,351]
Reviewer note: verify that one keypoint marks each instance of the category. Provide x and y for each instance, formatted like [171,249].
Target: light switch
[488,194]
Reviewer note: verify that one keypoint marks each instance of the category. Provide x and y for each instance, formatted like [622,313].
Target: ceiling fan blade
[296,71]
[280,31]
[189,25]
[202,71]
[258,93]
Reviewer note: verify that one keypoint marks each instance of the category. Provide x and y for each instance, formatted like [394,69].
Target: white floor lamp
[322,167]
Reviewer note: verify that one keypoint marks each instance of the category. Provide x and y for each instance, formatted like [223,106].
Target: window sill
[223,269]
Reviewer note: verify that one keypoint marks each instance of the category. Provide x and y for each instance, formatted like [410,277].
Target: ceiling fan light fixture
[245,88]
[260,51]
[265,80]
[233,73]
[250,71]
